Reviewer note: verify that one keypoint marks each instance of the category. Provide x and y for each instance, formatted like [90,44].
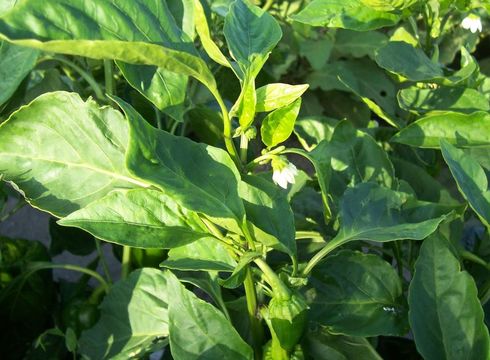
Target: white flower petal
[466,23]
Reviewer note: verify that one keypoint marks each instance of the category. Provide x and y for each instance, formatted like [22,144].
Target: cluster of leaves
[382,104]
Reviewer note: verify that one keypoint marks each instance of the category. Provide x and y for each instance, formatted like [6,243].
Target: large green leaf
[135,32]
[456,128]
[372,212]
[134,318]
[140,218]
[15,63]
[322,345]
[402,58]
[251,33]
[347,14]
[279,124]
[201,178]
[463,100]
[471,179]
[274,96]
[269,213]
[446,316]
[63,153]
[198,330]
[359,44]
[207,254]
[357,294]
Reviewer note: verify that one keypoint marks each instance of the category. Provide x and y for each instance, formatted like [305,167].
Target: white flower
[472,22]
[284,172]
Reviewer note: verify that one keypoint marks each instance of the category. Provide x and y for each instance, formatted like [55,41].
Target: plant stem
[20,204]
[252,164]
[475,259]
[278,287]
[327,249]
[103,262]
[243,148]
[230,146]
[126,262]
[158,117]
[99,94]
[255,326]
[108,77]
[267,5]
[314,235]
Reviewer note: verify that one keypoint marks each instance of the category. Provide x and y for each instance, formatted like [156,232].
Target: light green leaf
[357,294]
[200,177]
[402,58]
[15,63]
[251,34]
[140,218]
[197,328]
[269,213]
[321,345]
[135,32]
[471,179]
[208,44]
[134,318]
[446,316]
[207,254]
[245,105]
[462,100]
[359,44]
[347,14]
[6,5]
[274,96]
[279,124]
[75,152]
[371,212]
[456,128]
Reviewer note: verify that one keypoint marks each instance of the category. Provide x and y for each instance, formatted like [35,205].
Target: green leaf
[199,177]
[207,254]
[140,218]
[371,212]
[240,271]
[251,34]
[445,314]
[357,294]
[359,44]
[347,14]
[75,153]
[269,213]
[471,179]
[15,63]
[143,34]
[321,345]
[134,318]
[75,241]
[274,96]
[462,100]
[313,129]
[197,328]
[456,128]
[279,124]
[203,30]
[402,58]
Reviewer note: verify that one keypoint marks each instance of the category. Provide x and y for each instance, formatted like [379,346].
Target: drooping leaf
[357,294]
[456,128]
[207,254]
[134,318]
[193,318]
[471,179]
[274,96]
[75,152]
[135,32]
[141,218]
[346,14]
[445,314]
[279,124]
[462,100]
[15,63]
[269,213]
[201,178]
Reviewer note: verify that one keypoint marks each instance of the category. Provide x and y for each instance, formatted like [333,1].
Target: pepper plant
[290,234]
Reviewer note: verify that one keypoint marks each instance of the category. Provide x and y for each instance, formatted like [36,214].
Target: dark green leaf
[74,240]
[445,314]
[357,294]
[240,271]
[313,129]
[359,44]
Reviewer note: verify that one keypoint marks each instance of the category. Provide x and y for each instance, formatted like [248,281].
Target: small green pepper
[270,354]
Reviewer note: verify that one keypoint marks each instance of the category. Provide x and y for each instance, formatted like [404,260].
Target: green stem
[278,287]
[126,262]
[158,118]
[105,268]
[20,204]
[255,326]
[252,164]
[268,5]
[475,259]
[327,249]
[248,235]
[108,77]
[314,235]
[230,146]
[243,148]
[397,253]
